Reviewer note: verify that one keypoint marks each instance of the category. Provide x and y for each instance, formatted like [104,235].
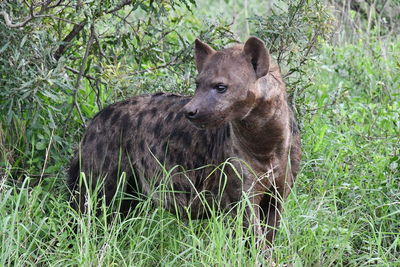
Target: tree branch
[79,78]
[10,24]
[118,7]
[75,30]
[87,76]
[174,61]
[304,58]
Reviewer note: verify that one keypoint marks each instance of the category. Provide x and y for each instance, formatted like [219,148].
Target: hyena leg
[271,208]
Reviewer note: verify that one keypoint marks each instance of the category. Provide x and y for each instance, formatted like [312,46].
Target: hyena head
[227,87]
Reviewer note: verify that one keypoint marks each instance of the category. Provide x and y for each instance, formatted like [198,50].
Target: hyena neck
[262,136]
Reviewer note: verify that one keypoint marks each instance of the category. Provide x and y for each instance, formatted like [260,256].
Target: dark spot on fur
[199,180]
[179,158]
[179,116]
[141,145]
[157,129]
[186,139]
[125,123]
[100,148]
[125,118]
[164,147]
[141,116]
[140,119]
[90,136]
[153,111]
[204,139]
[189,166]
[116,116]
[177,188]
[199,160]
[110,186]
[228,132]
[210,151]
[153,149]
[161,158]
[105,113]
[106,162]
[144,163]
[169,117]
[175,134]
[129,146]
[187,188]
[184,101]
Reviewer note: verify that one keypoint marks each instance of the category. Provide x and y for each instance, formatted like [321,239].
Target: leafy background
[62,61]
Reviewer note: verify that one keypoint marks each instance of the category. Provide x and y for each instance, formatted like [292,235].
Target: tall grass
[343,211]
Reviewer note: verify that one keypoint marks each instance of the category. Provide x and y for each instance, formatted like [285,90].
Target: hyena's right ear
[202,51]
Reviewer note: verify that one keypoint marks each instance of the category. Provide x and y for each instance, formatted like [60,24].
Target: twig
[304,57]
[87,76]
[10,24]
[125,20]
[171,63]
[101,51]
[75,30]
[47,155]
[118,7]
[81,70]
[80,74]
[97,92]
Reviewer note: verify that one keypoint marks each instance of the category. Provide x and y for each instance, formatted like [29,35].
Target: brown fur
[251,122]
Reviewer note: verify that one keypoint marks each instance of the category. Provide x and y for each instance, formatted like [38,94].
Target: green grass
[343,211]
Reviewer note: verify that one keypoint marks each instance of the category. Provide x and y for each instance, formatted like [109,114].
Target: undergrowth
[343,211]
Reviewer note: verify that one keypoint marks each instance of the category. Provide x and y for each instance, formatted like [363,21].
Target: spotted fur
[250,125]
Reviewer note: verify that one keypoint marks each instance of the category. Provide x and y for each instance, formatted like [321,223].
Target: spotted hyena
[239,113]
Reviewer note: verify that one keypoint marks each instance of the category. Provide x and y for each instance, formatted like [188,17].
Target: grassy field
[344,209]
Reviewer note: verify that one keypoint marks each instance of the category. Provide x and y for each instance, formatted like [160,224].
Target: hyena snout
[191,114]
[196,115]
[193,111]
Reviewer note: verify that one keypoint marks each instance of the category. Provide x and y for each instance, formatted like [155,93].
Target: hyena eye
[221,88]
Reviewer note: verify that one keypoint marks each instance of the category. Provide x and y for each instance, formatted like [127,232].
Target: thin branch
[124,20]
[10,24]
[47,155]
[101,52]
[9,21]
[120,6]
[81,70]
[305,55]
[174,61]
[80,75]
[87,76]
[63,47]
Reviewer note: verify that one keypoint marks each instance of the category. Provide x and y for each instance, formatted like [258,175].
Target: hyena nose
[192,114]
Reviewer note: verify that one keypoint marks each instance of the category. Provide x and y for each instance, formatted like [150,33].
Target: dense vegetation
[62,61]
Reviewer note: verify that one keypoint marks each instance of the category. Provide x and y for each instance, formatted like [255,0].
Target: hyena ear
[201,51]
[258,55]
